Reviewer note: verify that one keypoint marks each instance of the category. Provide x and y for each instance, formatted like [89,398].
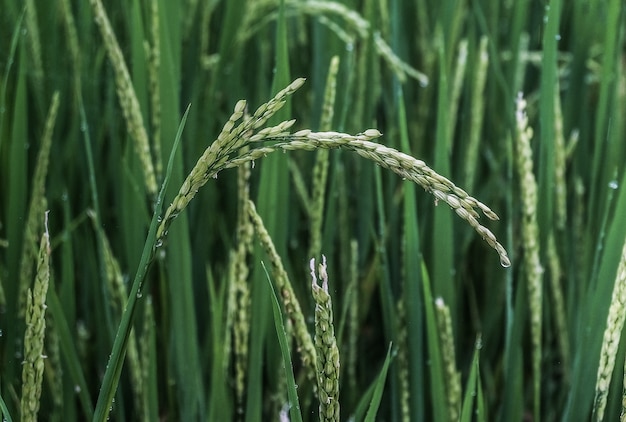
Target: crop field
[309,210]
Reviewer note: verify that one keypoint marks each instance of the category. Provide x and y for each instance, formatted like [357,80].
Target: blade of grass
[545,158]
[365,402]
[379,386]
[386,292]
[116,361]
[604,160]
[6,416]
[437,382]
[294,403]
[469,405]
[593,312]
[441,261]
[219,403]
[412,280]
[7,71]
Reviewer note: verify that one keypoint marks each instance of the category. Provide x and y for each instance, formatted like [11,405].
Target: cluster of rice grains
[326,346]
[243,140]
[33,365]
[227,152]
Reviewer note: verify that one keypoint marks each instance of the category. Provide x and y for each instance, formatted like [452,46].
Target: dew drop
[159,243]
[139,295]
[558,37]
[613,184]
[505,261]
[77,389]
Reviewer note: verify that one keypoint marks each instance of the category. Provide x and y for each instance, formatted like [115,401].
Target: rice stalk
[33,365]
[264,12]
[238,312]
[326,346]
[611,339]
[74,49]
[127,97]
[403,363]
[320,170]
[154,67]
[37,204]
[353,318]
[457,88]
[53,368]
[148,367]
[452,375]
[477,111]
[530,238]
[560,156]
[3,297]
[397,65]
[353,26]
[34,45]
[299,185]
[119,296]
[304,343]
[556,274]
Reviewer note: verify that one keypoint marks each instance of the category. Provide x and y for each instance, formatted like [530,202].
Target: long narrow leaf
[372,411]
[294,403]
[116,361]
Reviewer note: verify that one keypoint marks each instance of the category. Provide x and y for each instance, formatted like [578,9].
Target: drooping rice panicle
[402,164]
[127,97]
[326,346]
[33,365]
[225,153]
[230,140]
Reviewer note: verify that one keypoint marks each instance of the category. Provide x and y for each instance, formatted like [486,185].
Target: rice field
[304,210]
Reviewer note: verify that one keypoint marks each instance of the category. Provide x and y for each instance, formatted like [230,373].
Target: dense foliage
[193,303]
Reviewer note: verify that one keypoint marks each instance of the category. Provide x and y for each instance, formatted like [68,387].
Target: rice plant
[312,210]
